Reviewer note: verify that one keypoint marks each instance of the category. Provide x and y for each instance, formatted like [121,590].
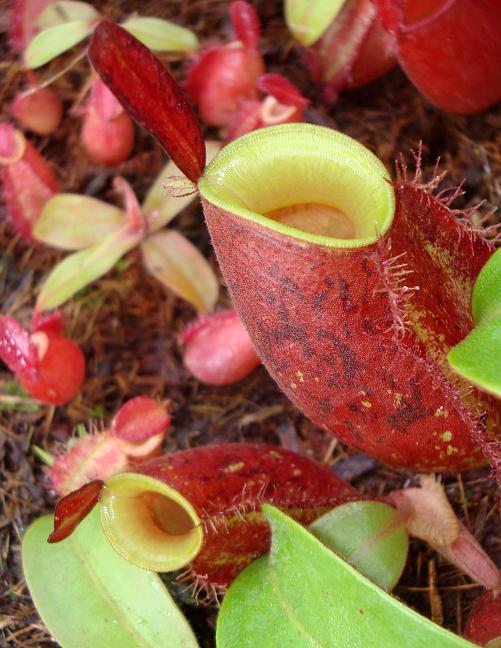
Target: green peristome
[308,19]
[65,11]
[160,206]
[161,35]
[368,535]
[478,356]
[256,174]
[180,266]
[82,268]
[149,523]
[304,595]
[75,222]
[53,41]
[88,595]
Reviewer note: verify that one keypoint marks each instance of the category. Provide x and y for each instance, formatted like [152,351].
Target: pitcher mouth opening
[308,182]
[149,523]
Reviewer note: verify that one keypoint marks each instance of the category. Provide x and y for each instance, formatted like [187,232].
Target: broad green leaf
[161,35]
[308,19]
[159,206]
[75,222]
[64,12]
[305,596]
[89,596]
[82,268]
[486,298]
[478,357]
[179,266]
[368,535]
[53,41]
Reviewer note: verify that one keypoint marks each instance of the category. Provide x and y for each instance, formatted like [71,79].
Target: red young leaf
[16,348]
[245,23]
[139,419]
[149,93]
[282,89]
[73,508]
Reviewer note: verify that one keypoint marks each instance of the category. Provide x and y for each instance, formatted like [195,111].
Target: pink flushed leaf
[103,101]
[149,93]
[16,348]
[73,508]
[135,218]
[245,23]
[282,89]
[139,419]
[428,515]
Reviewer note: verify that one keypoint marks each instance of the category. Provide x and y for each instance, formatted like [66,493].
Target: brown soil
[127,324]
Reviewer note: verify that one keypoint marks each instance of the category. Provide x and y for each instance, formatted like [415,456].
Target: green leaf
[75,222]
[53,41]
[159,206]
[89,596]
[368,535]
[179,266]
[82,268]
[478,357]
[308,19]
[486,298]
[65,11]
[161,35]
[303,595]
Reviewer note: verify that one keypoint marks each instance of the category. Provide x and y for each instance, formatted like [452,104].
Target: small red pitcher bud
[136,434]
[48,365]
[40,111]
[225,75]
[28,181]
[107,133]
[218,349]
